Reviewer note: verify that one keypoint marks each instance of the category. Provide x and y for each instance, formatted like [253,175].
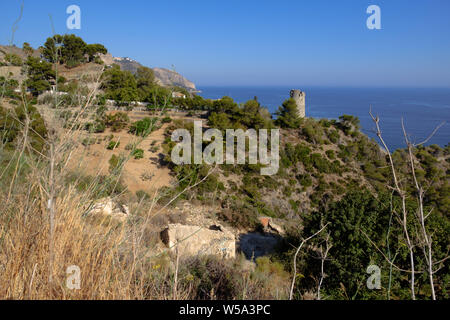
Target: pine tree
[287,116]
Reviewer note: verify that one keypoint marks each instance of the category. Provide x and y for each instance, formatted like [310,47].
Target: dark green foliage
[119,85]
[13,59]
[287,115]
[166,120]
[112,145]
[195,102]
[358,213]
[330,154]
[40,73]
[305,180]
[219,121]
[93,49]
[13,124]
[159,97]
[349,124]
[145,81]
[117,121]
[137,153]
[226,114]
[27,49]
[70,50]
[143,127]
[97,126]
[7,87]
[116,164]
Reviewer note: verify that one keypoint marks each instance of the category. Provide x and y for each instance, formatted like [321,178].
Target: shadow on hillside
[159,161]
[256,244]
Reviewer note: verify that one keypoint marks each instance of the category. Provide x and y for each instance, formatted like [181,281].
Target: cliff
[164,77]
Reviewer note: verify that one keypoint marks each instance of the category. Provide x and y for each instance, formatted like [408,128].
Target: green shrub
[143,127]
[330,154]
[88,141]
[305,180]
[142,195]
[13,59]
[97,126]
[138,153]
[112,145]
[117,121]
[116,163]
[166,120]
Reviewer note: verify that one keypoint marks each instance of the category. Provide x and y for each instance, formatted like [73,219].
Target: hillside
[164,77]
[96,180]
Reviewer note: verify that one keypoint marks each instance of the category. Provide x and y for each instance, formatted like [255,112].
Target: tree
[145,81]
[13,59]
[93,49]
[52,48]
[226,104]
[119,85]
[27,49]
[73,50]
[358,215]
[39,75]
[70,50]
[287,115]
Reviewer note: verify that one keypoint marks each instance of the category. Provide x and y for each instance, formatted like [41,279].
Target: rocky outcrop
[110,207]
[166,77]
[163,77]
[191,240]
[107,58]
[271,226]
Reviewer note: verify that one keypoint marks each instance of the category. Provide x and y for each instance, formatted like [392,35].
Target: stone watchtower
[299,97]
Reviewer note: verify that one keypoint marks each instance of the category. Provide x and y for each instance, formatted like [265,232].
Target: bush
[117,121]
[138,153]
[88,141]
[116,163]
[143,127]
[166,120]
[330,154]
[305,180]
[97,126]
[14,59]
[112,145]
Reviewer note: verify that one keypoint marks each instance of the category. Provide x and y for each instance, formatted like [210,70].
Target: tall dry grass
[45,225]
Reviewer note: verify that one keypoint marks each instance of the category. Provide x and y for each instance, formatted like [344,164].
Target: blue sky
[246,43]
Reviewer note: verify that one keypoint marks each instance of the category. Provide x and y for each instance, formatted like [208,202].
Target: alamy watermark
[73,281]
[374,281]
[74,20]
[258,152]
[374,20]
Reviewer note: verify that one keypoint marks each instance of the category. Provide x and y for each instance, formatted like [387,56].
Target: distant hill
[17,51]
[164,77]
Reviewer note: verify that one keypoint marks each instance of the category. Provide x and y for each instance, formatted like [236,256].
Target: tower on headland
[299,97]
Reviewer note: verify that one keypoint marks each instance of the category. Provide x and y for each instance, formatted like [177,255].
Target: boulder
[269,225]
[110,207]
[192,240]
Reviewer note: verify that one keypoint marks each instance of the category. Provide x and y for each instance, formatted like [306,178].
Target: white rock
[108,206]
[197,240]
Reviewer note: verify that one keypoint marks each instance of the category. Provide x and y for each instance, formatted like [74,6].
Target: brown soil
[147,174]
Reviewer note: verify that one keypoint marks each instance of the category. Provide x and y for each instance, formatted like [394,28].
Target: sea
[422,109]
